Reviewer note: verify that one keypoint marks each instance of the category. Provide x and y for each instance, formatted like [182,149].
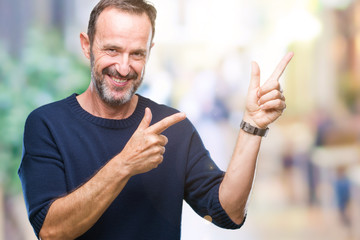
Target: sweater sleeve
[41,170]
[202,184]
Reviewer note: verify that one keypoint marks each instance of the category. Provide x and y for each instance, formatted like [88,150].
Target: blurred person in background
[342,193]
[111,164]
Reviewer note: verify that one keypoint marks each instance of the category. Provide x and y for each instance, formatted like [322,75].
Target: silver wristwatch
[253,130]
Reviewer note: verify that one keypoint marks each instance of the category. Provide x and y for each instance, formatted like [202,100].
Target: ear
[151,46]
[85,44]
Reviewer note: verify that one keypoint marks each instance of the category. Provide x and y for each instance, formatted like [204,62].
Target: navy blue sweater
[64,146]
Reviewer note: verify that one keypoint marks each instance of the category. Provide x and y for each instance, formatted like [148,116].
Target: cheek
[103,62]
[138,67]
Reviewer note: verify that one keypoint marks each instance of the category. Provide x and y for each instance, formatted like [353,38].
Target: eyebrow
[111,46]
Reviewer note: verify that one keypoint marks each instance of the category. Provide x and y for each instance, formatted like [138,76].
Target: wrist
[122,170]
[250,121]
[247,118]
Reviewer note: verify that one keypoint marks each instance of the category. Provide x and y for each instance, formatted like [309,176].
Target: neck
[91,102]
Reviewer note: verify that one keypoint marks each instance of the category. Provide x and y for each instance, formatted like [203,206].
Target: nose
[123,65]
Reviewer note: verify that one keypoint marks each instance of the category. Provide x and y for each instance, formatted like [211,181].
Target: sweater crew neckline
[135,118]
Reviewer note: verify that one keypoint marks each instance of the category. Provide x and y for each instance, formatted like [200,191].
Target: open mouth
[119,81]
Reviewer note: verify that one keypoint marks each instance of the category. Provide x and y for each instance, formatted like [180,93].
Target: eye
[111,51]
[139,55]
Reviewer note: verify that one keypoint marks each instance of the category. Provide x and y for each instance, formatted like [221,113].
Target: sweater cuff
[37,221]
[219,216]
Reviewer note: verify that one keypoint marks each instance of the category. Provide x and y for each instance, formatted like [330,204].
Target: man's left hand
[266,103]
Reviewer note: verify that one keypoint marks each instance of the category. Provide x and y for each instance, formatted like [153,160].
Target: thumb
[255,76]
[145,122]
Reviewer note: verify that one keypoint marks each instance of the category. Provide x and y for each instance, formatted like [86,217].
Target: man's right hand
[144,151]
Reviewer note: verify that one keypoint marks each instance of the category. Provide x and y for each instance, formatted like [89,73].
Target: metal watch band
[247,127]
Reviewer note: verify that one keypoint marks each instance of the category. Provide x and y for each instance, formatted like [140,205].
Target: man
[111,164]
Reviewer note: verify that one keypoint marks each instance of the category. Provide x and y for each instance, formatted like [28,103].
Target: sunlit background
[308,177]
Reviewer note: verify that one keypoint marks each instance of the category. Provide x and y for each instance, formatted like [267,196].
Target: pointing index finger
[167,122]
[281,66]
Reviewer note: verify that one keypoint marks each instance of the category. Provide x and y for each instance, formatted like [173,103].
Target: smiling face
[119,54]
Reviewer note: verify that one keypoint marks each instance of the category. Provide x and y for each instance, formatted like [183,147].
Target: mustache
[111,71]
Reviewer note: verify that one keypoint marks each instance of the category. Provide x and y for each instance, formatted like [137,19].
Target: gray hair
[130,6]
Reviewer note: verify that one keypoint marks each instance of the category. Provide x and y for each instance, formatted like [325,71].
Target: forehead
[114,23]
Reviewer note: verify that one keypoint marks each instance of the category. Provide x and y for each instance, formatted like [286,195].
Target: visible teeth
[119,80]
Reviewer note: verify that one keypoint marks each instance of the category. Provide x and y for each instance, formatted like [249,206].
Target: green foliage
[46,72]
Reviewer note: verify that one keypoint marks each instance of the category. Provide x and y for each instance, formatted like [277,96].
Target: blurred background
[308,178]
